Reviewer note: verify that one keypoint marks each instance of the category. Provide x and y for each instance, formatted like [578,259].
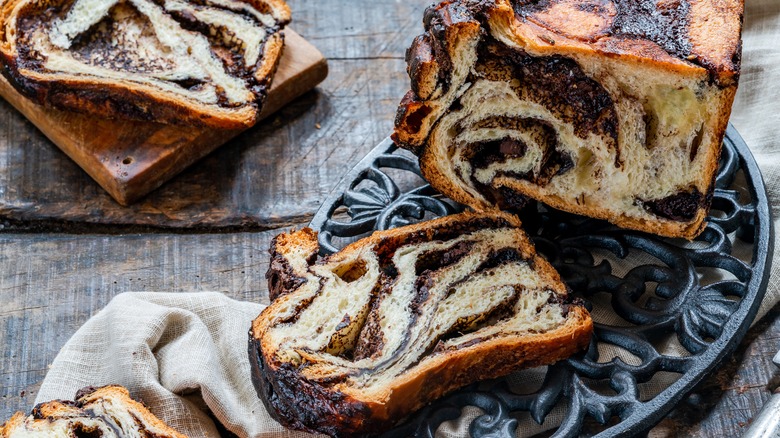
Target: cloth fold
[175,352]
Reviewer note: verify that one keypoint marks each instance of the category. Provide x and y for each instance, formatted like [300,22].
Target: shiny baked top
[693,33]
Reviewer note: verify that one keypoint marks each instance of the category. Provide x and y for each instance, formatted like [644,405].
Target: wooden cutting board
[129,159]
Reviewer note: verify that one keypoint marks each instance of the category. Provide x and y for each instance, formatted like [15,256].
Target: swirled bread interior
[172,61]
[106,412]
[614,109]
[358,340]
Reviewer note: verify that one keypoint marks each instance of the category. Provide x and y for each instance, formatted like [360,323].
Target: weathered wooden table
[66,248]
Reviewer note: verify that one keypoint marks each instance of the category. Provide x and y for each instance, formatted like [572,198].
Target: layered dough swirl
[193,62]
[106,412]
[613,109]
[357,341]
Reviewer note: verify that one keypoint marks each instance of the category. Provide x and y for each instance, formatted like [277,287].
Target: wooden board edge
[127,184]
[131,188]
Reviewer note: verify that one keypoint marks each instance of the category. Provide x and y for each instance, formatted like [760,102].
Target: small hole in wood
[128,160]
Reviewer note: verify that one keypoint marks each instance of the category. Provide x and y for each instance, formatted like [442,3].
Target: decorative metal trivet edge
[709,320]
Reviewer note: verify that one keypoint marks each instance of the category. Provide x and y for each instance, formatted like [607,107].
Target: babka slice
[188,62]
[356,341]
[106,412]
[614,109]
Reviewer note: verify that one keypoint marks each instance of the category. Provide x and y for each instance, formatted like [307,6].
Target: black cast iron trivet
[668,295]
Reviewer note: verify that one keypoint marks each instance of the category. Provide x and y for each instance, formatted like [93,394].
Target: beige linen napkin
[175,352]
[756,111]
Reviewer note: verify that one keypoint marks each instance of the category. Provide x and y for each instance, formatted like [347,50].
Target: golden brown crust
[488,360]
[301,398]
[716,37]
[674,32]
[282,276]
[278,8]
[273,50]
[459,32]
[127,98]
[422,67]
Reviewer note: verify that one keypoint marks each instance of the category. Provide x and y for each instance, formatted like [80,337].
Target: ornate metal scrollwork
[663,290]
[374,201]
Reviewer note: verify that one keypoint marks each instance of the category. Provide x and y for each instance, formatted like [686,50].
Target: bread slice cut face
[356,341]
[610,109]
[187,62]
[106,412]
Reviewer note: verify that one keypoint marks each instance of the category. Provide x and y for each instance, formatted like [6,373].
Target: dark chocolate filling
[231,55]
[471,324]
[667,27]
[555,82]
[109,421]
[681,207]
[301,306]
[280,276]
[509,199]
[346,349]
[664,23]
[422,287]
[696,143]
[499,258]
[482,154]
[386,248]
[94,46]
[82,431]
[371,339]
[435,260]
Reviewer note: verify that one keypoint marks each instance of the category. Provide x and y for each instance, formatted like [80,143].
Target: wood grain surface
[129,158]
[67,248]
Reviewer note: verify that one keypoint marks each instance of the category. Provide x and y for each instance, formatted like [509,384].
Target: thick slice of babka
[187,62]
[356,341]
[614,109]
[106,412]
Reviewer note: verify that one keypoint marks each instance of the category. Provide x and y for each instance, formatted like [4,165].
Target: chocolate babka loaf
[613,109]
[106,412]
[356,341]
[191,62]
